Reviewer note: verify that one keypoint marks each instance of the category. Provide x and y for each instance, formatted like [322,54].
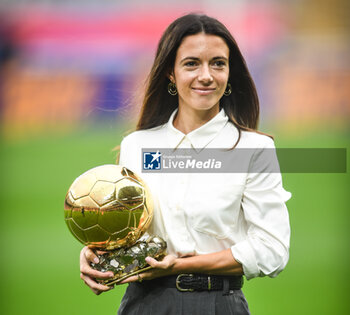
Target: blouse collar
[200,137]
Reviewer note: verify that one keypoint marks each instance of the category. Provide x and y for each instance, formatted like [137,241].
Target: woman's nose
[205,75]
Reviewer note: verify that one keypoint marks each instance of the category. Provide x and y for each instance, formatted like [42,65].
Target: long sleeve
[265,251]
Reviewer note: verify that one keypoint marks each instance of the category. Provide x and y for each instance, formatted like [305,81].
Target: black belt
[199,282]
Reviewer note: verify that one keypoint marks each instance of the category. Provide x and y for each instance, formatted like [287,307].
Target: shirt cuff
[285,195]
[244,254]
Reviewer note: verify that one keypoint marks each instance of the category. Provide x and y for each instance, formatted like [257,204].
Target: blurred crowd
[62,64]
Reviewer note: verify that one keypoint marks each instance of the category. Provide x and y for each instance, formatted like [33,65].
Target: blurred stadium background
[71,74]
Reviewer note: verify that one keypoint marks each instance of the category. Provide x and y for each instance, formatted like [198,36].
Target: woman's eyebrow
[220,57]
[196,58]
[189,57]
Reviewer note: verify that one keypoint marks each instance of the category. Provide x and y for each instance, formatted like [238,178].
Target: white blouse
[200,213]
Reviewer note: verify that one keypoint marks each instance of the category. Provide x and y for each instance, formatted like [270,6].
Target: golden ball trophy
[108,209]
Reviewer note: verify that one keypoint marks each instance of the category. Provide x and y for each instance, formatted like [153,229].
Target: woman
[218,226]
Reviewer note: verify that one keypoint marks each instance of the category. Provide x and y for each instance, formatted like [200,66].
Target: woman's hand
[160,269]
[219,263]
[89,275]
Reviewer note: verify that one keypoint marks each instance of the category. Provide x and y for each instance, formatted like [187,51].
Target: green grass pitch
[39,259]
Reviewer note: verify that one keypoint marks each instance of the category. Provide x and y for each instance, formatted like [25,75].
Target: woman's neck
[188,119]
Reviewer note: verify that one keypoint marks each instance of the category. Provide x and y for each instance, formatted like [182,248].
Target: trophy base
[117,280]
[126,262]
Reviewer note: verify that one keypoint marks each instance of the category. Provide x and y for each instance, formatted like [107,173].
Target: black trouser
[148,299]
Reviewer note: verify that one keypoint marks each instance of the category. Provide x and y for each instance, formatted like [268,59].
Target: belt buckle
[178,282]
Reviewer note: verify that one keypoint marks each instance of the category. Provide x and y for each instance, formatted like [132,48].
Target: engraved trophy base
[126,262]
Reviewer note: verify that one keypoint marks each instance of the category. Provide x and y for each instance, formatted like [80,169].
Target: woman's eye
[219,63]
[190,64]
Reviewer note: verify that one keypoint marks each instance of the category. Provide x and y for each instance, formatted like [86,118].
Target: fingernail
[147,259]
[96,260]
[111,275]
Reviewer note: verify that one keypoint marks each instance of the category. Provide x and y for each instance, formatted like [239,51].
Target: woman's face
[201,71]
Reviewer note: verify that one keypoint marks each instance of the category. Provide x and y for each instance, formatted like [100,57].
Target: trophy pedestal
[125,262]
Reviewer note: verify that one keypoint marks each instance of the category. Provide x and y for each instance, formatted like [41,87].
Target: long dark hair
[241,107]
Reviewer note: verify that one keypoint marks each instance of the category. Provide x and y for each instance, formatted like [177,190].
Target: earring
[228,90]
[172,88]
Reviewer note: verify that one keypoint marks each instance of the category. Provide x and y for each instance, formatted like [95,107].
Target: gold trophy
[109,208]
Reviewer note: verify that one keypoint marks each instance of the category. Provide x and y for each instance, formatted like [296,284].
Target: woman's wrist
[182,265]
[177,266]
[220,263]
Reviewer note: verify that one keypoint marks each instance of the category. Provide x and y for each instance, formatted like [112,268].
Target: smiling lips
[203,90]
